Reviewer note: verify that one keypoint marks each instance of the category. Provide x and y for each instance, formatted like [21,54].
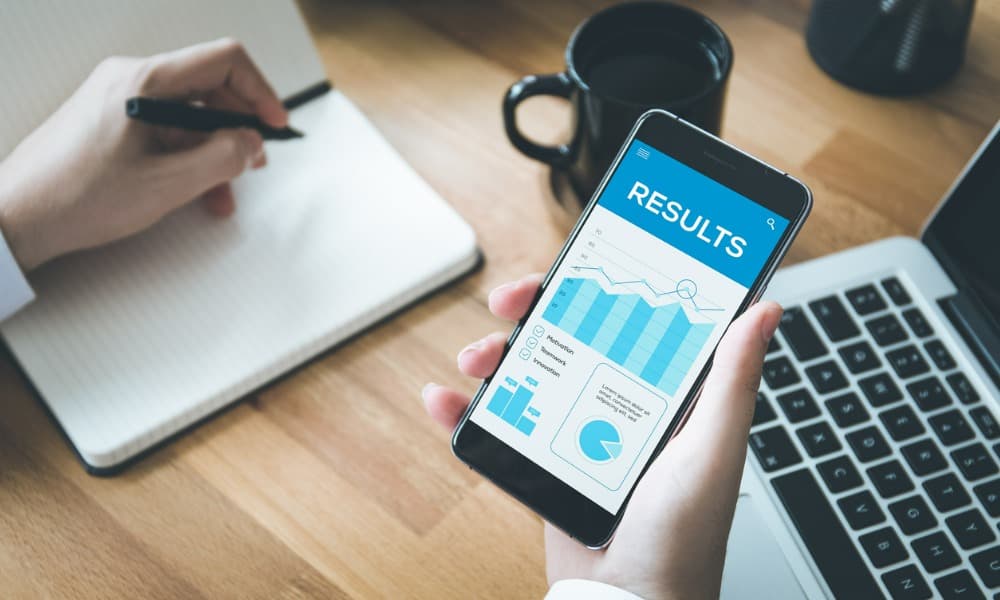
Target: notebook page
[50,46]
[131,342]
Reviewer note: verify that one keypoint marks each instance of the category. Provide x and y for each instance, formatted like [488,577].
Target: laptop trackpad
[755,565]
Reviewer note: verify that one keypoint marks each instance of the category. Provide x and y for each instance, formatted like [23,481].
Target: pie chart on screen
[600,441]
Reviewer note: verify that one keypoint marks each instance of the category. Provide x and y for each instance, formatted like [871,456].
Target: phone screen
[626,323]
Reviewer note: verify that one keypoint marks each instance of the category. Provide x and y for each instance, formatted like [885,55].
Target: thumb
[220,158]
[721,419]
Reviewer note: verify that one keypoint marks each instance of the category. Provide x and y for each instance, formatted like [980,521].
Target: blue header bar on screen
[693,213]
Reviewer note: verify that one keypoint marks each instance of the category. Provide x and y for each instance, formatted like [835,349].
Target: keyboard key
[907,361]
[861,510]
[917,322]
[902,423]
[935,552]
[951,427]
[834,552]
[970,529]
[859,357]
[833,318]
[984,420]
[989,495]
[880,389]
[928,393]
[913,515]
[779,372]
[798,405]
[886,330]
[974,461]
[896,291]
[847,410]
[818,439]
[963,388]
[763,412]
[865,299]
[940,355]
[987,564]
[906,583]
[826,377]
[800,335]
[959,586]
[923,457]
[883,548]
[774,449]
[868,444]
[947,492]
[890,479]
[839,474]
[773,345]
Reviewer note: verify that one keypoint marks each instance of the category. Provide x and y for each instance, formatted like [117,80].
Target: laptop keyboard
[880,449]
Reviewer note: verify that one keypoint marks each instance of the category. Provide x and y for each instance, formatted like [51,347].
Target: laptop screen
[964,234]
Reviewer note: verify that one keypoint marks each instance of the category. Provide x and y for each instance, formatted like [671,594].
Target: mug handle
[559,85]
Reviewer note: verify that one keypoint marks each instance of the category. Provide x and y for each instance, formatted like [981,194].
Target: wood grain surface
[332,483]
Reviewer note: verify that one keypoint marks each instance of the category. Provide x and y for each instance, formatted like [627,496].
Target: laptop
[874,462]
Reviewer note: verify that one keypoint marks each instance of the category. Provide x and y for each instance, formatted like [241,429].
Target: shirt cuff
[14,289]
[583,589]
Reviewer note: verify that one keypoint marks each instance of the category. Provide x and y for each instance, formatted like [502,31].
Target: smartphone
[681,236]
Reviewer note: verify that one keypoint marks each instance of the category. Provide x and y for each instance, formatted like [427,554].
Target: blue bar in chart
[667,348]
[657,343]
[511,402]
[596,317]
[564,297]
[629,334]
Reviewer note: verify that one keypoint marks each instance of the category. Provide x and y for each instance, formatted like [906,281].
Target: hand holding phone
[680,238]
[671,541]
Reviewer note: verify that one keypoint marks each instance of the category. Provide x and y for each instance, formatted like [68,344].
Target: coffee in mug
[620,63]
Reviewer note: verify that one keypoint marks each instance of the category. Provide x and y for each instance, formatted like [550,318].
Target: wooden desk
[332,483]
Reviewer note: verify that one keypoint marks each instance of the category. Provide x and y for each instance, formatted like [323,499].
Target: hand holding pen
[90,175]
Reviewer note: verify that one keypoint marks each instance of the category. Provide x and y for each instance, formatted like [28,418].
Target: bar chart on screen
[511,402]
[653,332]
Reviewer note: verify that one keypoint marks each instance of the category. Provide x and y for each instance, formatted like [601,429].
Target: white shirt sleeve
[14,289]
[583,589]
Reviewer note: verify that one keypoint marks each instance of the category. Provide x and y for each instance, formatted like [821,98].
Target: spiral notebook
[132,343]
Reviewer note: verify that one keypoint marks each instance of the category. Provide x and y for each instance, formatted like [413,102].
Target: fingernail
[427,389]
[259,159]
[771,320]
[503,288]
[253,145]
[473,346]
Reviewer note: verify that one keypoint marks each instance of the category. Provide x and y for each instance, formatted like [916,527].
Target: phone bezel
[555,501]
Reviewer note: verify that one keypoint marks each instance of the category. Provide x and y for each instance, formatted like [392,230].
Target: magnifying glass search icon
[770,223]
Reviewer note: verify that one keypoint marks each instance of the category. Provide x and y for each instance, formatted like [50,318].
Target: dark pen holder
[890,47]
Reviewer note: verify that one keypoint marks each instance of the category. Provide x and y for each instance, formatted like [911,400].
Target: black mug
[620,63]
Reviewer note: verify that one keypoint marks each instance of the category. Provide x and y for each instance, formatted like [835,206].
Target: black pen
[173,113]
